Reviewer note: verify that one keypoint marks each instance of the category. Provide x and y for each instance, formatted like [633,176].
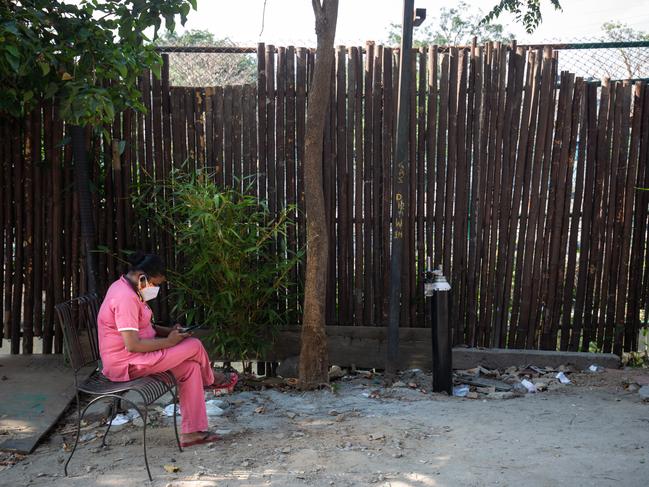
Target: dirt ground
[592,432]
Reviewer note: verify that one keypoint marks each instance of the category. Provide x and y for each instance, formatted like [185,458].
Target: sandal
[208,438]
[225,387]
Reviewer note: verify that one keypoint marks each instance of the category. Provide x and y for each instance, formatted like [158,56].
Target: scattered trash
[636,359]
[595,368]
[212,407]
[169,410]
[537,369]
[520,388]
[291,415]
[479,370]
[88,437]
[119,420]
[529,386]
[132,414]
[478,381]
[172,468]
[461,391]
[260,410]
[399,384]
[632,387]
[335,372]
[644,393]
[375,394]
[486,390]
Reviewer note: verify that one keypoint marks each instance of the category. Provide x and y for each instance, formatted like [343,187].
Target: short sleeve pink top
[123,309]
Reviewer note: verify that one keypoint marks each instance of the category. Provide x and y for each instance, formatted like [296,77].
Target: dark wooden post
[82,183]
[400,187]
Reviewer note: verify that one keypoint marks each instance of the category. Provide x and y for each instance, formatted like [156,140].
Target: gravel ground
[594,431]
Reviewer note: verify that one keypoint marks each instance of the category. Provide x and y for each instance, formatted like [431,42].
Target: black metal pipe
[437,310]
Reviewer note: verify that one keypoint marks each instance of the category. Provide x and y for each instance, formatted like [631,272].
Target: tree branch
[263,19]
[317,8]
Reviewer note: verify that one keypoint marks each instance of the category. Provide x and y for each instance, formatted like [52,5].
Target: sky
[291,21]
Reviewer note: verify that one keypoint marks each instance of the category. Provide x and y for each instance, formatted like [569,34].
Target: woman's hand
[176,336]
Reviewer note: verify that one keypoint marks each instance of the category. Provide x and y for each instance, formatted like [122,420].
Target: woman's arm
[134,343]
[162,331]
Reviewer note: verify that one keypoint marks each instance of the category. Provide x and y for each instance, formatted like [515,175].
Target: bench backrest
[78,320]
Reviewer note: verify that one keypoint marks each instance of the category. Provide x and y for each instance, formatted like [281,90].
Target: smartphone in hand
[190,328]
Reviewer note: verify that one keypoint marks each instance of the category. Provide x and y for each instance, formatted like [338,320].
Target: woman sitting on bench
[131,346]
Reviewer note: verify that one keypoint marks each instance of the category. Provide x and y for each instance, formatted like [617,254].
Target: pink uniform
[122,310]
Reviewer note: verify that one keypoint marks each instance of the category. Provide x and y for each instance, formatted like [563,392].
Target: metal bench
[78,319]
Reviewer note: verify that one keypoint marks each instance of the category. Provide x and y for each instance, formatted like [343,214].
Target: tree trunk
[313,354]
[82,184]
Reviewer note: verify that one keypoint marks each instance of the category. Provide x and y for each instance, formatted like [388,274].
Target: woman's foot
[220,379]
[224,381]
[198,438]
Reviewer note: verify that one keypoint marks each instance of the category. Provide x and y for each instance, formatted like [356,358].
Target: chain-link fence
[211,66]
[228,65]
[598,60]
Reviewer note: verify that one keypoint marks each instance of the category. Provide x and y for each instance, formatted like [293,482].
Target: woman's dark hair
[151,264]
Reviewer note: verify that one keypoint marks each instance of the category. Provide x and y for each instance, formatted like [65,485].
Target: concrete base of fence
[365,347]
[498,358]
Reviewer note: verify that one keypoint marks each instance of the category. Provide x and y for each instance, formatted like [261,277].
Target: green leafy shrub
[227,275]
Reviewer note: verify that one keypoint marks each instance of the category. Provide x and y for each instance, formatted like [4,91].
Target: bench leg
[174,397]
[143,414]
[113,412]
[76,440]
[80,416]
[146,460]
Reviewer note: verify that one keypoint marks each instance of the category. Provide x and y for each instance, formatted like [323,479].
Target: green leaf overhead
[85,55]
[526,12]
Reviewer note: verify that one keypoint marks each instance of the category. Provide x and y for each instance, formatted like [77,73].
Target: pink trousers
[189,363]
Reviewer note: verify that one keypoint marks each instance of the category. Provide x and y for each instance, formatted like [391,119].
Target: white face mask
[150,292]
